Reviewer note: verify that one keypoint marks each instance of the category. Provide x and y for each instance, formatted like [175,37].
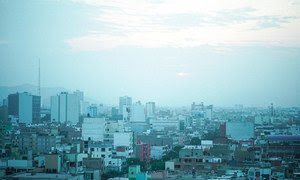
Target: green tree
[195,141]
[157,165]
[172,154]
[137,161]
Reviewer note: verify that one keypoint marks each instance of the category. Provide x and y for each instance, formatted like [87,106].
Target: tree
[195,141]
[211,135]
[137,161]
[157,165]
[172,154]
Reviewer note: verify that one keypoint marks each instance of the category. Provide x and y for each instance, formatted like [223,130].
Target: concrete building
[112,127]
[53,163]
[240,130]
[65,107]
[164,124]
[150,109]
[124,102]
[123,139]
[157,152]
[155,140]
[123,151]
[137,113]
[24,106]
[142,151]
[92,174]
[94,163]
[93,129]
[73,162]
[100,150]
[93,110]
[46,144]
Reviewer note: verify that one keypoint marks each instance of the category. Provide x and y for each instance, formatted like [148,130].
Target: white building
[162,124]
[157,152]
[112,127]
[150,109]
[93,129]
[124,101]
[116,164]
[123,139]
[137,113]
[99,150]
[65,107]
[123,151]
[206,144]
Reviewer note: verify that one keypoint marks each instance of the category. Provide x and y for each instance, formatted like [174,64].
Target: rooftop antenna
[39,80]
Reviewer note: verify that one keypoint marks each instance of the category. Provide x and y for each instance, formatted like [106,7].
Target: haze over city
[170,52]
[149,89]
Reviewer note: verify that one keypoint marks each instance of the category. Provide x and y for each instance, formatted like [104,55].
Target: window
[72,164]
[103,149]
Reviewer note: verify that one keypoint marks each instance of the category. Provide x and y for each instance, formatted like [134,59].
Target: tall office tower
[80,96]
[13,104]
[137,113]
[25,106]
[65,107]
[124,102]
[93,129]
[150,109]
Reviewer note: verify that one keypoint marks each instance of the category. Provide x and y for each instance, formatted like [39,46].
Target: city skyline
[230,53]
[149,89]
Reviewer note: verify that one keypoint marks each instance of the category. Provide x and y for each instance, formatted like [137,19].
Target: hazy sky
[172,52]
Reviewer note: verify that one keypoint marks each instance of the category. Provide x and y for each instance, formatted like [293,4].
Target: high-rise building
[137,113]
[13,104]
[150,109]
[93,110]
[79,95]
[124,102]
[65,107]
[24,106]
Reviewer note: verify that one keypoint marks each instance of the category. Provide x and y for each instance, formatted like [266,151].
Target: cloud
[191,23]
[182,74]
